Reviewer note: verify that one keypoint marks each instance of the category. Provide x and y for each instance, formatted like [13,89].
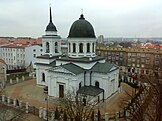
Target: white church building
[81,69]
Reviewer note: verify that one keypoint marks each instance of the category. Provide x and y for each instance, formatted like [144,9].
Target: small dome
[81,29]
[51,27]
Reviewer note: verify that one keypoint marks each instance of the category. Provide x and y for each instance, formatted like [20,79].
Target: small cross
[82,11]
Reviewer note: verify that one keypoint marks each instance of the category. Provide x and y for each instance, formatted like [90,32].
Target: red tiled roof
[28,41]
[21,41]
[15,46]
[2,61]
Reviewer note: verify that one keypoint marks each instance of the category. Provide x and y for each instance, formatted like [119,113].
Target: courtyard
[28,91]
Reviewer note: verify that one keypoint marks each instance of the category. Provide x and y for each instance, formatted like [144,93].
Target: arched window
[56,47]
[47,47]
[93,47]
[81,48]
[43,77]
[80,85]
[69,48]
[74,48]
[88,47]
[97,84]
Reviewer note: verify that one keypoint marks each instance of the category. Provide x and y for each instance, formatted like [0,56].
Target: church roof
[47,56]
[104,67]
[82,59]
[73,68]
[45,64]
[81,29]
[90,90]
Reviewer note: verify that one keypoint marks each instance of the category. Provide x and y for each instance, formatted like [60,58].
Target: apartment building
[19,56]
[138,60]
[19,53]
[14,56]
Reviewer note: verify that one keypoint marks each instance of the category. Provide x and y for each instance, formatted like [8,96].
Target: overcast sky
[111,18]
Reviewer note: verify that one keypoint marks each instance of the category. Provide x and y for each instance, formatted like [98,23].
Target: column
[52,116]
[14,102]
[84,49]
[8,100]
[40,112]
[20,103]
[77,48]
[45,114]
[117,116]
[91,47]
[3,98]
[27,107]
[23,78]
[127,115]
[11,81]
[17,80]
[106,116]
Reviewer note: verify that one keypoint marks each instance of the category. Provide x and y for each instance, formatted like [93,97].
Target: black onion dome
[51,27]
[81,29]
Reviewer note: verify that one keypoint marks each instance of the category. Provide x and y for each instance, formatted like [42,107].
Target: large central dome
[81,29]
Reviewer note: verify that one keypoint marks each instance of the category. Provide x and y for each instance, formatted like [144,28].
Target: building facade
[138,60]
[31,52]
[14,56]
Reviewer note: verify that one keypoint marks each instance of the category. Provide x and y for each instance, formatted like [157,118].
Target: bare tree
[149,108]
[78,107]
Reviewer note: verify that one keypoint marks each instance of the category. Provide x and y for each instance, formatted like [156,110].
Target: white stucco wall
[31,53]
[39,70]
[14,57]
[108,82]
[84,41]
[52,40]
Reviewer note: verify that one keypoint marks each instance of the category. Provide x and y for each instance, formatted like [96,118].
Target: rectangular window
[129,54]
[156,62]
[143,60]
[133,59]
[142,54]
[121,54]
[147,55]
[147,61]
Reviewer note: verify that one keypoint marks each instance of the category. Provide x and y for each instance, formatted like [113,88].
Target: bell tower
[51,41]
